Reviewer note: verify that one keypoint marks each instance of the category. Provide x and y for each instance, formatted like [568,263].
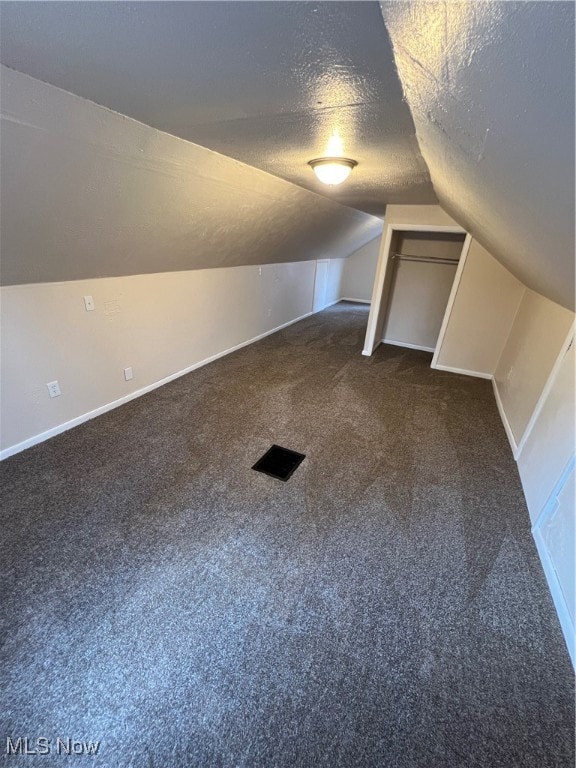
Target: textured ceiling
[273,84]
[491,90]
[489,86]
[87,192]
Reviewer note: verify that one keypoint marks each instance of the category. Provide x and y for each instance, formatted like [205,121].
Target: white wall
[418,298]
[546,466]
[535,392]
[440,245]
[482,314]
[159,324]
[419,291]
[327,282]
[334,284]
[535,339]
[359,272]
[550,444]
[427,218]
[555,533]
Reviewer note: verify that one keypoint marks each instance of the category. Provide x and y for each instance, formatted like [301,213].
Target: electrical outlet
[128,373]
[53,389]
[89,303]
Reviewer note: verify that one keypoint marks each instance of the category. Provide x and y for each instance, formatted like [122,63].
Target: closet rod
[428,259]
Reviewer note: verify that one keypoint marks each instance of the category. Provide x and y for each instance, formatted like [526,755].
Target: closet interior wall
[419,289]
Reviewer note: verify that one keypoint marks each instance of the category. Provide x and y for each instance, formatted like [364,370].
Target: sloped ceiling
[489,87]
[87,192]
[272,84]
[491,90]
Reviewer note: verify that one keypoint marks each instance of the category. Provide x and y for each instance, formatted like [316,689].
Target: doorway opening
[418,272]
[423,266]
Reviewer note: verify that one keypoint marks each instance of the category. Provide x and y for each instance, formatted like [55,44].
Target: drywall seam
[464,372]
[35,439]
[504,418]
[451,300]
[396,343]
[547,387]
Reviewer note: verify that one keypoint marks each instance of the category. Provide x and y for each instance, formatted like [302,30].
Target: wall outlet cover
[53,388]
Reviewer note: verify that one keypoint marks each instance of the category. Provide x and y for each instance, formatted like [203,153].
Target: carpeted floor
[385,607]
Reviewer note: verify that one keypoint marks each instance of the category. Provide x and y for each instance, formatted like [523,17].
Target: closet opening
[423,266]
[416,280]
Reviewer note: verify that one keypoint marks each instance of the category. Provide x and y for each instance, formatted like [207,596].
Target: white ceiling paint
[87,192]
[491,90]
[268,83]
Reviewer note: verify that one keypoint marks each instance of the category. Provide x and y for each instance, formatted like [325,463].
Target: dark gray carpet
[384,607]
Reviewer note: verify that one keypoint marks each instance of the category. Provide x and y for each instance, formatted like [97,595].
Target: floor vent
[279,462]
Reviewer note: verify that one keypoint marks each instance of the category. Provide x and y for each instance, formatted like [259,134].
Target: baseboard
[395,343]
[504,418]
[76,421]
[463,371]
[355,301]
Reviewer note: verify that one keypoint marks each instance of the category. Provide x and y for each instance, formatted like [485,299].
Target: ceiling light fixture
[332,170]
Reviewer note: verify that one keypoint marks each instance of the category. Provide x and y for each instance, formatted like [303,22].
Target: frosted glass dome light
[332,170]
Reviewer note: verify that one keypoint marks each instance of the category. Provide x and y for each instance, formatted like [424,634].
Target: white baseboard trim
[463,371]
[504,419]
[355,301]
[57,430]
[395,343]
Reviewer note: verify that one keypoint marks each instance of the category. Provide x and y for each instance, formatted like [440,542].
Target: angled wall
[481,317]
[535,387]
[187,254]
[491,89]
[539,330]
[88,193]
